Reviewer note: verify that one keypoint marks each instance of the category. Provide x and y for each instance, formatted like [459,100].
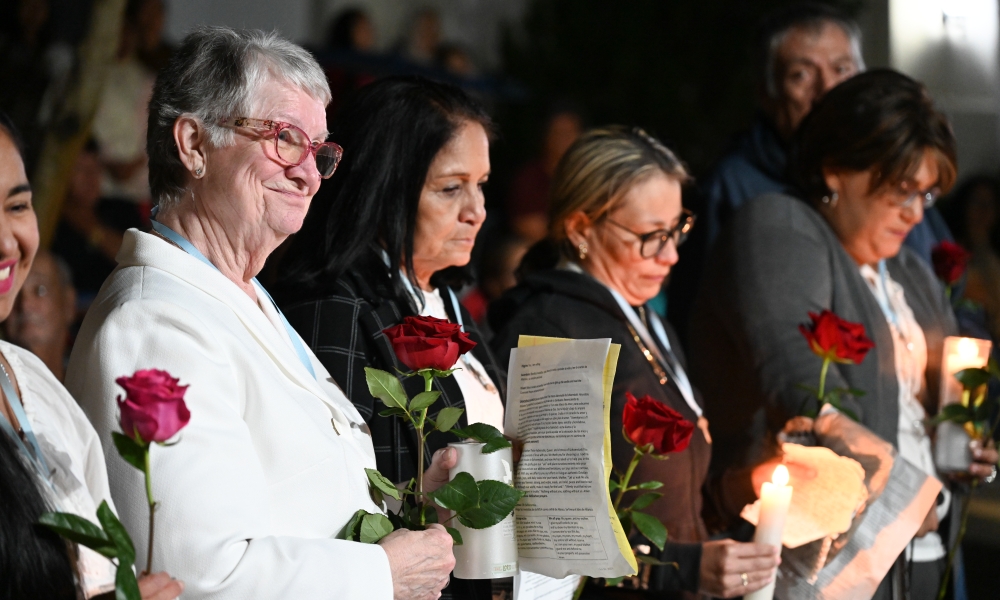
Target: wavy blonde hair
[599,169]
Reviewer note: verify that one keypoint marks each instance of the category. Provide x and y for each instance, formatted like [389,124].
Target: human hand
[437,475]
[725,562]
[930,522]
[159,586]
[420,562]
[984,460]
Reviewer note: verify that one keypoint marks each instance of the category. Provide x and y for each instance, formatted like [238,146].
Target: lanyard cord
[188,247]
[31,450]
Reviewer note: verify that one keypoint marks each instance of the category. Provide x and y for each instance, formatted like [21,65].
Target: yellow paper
[610,367]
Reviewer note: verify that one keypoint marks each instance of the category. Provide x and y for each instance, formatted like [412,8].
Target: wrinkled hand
[984,459]
[420,562]
[159,586]
[723,563]
[930,522]
[437,475]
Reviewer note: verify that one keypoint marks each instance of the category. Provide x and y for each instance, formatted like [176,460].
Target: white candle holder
[485,553]
[951,451]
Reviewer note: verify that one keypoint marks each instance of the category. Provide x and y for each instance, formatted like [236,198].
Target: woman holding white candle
[871,156]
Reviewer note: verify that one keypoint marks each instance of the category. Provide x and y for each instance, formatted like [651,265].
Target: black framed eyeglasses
[654,242]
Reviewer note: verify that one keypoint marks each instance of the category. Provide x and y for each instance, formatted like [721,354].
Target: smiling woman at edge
[617,221]
[271,467]
[34,562]
[381,243]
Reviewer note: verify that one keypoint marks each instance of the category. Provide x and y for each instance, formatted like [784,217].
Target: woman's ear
[833,181]
[579,227]
[191,139]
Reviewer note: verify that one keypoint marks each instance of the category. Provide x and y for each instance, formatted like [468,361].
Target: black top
[562,303]
[343,324]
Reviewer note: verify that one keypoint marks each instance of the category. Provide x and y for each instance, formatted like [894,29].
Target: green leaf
[382,484]
[626,521]
[456,535]
[982,412]
[496,501]
[424,400]
[993,367]
[650,527]
[613,485]
[956,413]
[374,528]
[973,378]
[80,531]
[613,581]
[430,513]
[805,388]
[496,444]
[488,434]
[392,412]
[645,500]
[116,532]
[126,587]
[650,485]
[128,449]
[350,531]
[459,494]
[385,387]
[447,418]
[651,560]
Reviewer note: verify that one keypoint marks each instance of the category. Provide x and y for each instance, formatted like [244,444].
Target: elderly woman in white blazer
[271,466]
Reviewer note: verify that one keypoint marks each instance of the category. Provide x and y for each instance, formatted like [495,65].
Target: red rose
[647,422]
[428,343]
[833,338]
[153,407]
[949,261]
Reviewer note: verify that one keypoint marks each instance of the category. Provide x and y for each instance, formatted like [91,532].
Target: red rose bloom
[833,338]
[949,261]
[153,407]
[647,422]
[428,343]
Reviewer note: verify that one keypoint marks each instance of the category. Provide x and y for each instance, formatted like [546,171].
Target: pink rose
[153,409]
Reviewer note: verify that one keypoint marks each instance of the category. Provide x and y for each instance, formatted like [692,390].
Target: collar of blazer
[147,250]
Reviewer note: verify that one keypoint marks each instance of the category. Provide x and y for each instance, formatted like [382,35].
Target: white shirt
[271,466]
[910,350]
[73,453]
[481,405]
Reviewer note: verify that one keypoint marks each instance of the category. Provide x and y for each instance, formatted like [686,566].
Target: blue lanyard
[32,450]
[188,247]
[883,298]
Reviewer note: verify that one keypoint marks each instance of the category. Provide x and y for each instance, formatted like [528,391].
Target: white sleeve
[213,520]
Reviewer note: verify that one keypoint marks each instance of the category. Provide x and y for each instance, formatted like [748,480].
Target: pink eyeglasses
[293,145]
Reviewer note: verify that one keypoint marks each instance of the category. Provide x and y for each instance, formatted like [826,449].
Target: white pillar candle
[951,448]
[485,553]
[775,497]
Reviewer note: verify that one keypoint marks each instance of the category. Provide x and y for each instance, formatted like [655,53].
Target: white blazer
[270,467]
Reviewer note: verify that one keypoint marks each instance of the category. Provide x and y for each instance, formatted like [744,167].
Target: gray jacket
[778,261]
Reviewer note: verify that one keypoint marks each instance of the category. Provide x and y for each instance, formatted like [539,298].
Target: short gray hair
[811,17]
[218,72]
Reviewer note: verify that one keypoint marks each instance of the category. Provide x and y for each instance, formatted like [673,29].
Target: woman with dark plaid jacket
[382,241]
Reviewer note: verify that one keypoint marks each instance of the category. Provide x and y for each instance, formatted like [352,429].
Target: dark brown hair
[881,121]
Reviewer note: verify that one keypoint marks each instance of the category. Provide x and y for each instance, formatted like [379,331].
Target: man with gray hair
[805,50]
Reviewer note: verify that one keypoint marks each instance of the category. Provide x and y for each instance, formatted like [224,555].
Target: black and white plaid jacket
[343,326]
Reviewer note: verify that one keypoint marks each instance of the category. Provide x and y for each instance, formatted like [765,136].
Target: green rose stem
[822,382]
[618,500]
[148,472]
[428,376]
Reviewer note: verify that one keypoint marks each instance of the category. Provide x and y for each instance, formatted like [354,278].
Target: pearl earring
[583,250]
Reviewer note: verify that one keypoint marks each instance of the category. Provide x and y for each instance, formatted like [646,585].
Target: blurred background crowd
[695,74]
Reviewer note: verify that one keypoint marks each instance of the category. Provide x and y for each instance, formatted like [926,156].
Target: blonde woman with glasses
[616,223]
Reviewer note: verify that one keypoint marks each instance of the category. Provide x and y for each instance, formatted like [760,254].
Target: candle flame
[967,349]
[780,476]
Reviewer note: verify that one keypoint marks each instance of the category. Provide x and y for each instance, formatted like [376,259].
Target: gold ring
[745,579]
